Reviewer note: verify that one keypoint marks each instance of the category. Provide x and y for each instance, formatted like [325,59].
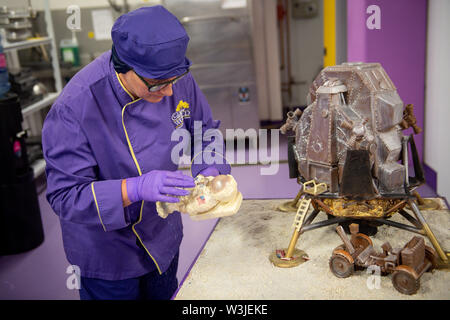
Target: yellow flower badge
[181,112]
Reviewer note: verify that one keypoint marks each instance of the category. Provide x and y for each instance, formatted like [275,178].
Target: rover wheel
[341,267]
[405,282]
[431,256]
[339,247]
[361,240]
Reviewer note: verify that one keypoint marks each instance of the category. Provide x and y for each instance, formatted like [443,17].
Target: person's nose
[167,91]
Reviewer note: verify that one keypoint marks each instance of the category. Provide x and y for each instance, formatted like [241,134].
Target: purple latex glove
[210,171]
[159,185]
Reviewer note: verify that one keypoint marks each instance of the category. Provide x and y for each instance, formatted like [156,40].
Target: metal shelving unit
[48,99]
[38,167]
[30,112]
[27,44]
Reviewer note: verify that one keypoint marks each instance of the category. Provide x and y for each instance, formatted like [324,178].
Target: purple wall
[399,46]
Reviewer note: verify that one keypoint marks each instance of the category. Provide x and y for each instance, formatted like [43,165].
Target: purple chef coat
[94,136]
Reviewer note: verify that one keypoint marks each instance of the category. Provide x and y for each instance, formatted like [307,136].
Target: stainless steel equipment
[220,48]
[15,24]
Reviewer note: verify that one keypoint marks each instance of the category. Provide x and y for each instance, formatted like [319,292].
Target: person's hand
[210,171]
[159,185]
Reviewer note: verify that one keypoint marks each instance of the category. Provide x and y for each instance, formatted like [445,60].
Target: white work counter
[234,263]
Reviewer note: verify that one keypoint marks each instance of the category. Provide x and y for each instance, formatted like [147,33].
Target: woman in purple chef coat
[107,145]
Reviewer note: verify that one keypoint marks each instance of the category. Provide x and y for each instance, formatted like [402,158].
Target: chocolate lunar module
[346,151]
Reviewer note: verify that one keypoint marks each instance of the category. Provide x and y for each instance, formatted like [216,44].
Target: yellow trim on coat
[128,139]
[123,87]
[96,204]
[140,173]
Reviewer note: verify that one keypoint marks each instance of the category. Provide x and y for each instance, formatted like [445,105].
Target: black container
[13,151]
[20,217]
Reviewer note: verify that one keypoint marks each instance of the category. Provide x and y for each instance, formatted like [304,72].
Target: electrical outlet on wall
[304,9]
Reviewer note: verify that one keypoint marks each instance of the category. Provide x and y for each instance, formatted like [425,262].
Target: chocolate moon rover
[351,156]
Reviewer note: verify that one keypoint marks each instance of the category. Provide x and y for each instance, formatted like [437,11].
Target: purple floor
[41,273]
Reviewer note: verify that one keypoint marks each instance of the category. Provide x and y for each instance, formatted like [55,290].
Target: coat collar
[122,93]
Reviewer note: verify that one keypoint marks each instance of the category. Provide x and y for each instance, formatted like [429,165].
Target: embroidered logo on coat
[181,112]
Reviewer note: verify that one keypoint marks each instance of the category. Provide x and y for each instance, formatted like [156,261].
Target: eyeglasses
[161,85]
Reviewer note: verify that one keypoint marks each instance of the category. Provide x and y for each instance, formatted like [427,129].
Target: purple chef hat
[152,41]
